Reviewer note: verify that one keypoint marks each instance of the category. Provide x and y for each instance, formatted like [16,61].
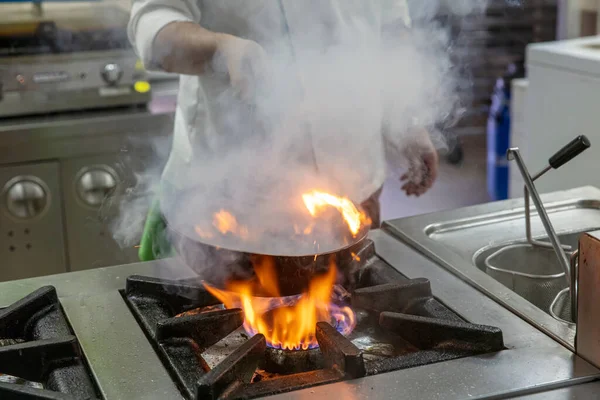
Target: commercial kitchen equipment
[461,240]
[453,342]
[78,123]
[62,57]
[517,270]
[55,175]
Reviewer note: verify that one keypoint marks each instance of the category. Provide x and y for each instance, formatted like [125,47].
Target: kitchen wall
[578,18]
[487,46]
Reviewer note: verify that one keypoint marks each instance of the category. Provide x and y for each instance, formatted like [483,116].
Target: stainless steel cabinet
[61,179]
[31,226]
[92,188]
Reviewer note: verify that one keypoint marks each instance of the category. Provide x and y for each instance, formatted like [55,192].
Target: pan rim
[362,234]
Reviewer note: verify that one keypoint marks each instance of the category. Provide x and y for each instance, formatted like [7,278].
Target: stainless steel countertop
[126,367]
[585,391]
[468,230]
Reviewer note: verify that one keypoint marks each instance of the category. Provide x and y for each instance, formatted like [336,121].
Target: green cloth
[154,244]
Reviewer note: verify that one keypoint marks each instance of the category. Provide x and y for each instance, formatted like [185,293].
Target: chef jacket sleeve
[148,17]
[393,12]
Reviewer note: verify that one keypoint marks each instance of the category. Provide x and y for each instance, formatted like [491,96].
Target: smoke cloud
[339,108]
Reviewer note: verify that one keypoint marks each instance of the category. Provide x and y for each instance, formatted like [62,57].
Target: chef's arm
[167,36]
[184,48]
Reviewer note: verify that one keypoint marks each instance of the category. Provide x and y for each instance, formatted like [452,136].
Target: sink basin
[485,245]
[532,272]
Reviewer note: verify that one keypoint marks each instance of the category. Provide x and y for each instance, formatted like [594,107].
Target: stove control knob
[95,184]
[26,197]
[112,73]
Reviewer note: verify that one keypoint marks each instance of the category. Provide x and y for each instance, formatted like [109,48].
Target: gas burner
[399,325]
[40,357]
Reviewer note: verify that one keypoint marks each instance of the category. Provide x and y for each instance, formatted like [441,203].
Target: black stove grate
[422,329]
[37,348]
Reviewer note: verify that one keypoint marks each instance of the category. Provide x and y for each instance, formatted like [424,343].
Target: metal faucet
[563,156]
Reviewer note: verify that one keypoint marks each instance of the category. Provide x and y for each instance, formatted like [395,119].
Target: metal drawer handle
[95,185]
[26,198]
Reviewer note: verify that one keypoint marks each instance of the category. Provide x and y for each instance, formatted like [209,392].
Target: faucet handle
[569,152]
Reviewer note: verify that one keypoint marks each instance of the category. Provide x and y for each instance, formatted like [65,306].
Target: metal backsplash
[61,179]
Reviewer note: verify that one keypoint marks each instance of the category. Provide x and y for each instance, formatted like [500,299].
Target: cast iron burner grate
[39,354]
[400,325]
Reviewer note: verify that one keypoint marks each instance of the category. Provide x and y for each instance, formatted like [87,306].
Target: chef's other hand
[244,62]
[422,165]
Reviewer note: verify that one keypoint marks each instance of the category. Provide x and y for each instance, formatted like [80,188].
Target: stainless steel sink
[462,240]
[532,272]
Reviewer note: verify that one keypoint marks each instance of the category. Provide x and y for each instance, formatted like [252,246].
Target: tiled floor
[457,186]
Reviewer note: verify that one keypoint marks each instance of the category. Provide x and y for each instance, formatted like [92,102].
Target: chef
[201,38]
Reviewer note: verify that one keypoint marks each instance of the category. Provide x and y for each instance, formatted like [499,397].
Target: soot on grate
[39,354]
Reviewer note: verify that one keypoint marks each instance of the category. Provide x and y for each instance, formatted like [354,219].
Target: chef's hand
[422,164]
[244,62]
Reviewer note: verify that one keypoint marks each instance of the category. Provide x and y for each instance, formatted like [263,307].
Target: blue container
[498,141]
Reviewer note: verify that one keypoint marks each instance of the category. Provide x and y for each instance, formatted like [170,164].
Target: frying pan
[223,257]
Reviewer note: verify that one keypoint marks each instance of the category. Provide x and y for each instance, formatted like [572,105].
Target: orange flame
[288,323]
[224,222]
[316,201]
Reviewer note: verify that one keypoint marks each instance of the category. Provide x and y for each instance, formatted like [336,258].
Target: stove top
[39,355]
[208,354]
[151,331]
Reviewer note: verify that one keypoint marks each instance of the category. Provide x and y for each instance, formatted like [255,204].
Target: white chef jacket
[265,21]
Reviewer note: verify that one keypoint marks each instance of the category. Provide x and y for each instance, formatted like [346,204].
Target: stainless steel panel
[92,282]
[78,70]
[124,362]
[586,391]
[31,225]
[77,135]
[81,142]
[456,239]
[46,83]
[27,103]
[90,242]
[91,208]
